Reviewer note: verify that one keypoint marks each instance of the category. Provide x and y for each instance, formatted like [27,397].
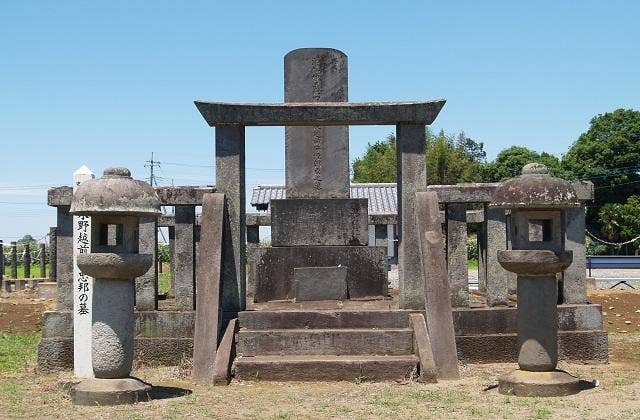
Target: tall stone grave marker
[82,287]
[316,158]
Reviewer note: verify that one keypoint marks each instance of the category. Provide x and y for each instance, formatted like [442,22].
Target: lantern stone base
[110,391]
[523,383]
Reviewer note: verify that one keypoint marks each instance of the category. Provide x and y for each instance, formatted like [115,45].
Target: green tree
[449,159]
[620,222]
[609,155]
[378,163]
[509,163]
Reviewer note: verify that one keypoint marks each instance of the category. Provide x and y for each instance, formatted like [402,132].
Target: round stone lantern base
[110,391]
[523,383]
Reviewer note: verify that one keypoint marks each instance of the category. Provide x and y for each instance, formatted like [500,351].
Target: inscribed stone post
[53,253]
[147,284]
[82,288]
[14,260]
[497,277]
[43,261]
[26,260]
[574,284]
[184,254]
[230,180]
[64,258]
[456,216]
[316,158]
[412,177]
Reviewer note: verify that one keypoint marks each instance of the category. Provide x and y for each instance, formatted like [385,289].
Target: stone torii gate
[230,120]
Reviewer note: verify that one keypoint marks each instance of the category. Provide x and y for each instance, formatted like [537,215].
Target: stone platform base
[110,392]
[486,335]
[522,383]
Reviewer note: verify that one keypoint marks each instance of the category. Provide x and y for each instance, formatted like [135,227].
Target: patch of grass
[472,264]
[164,282]
[543,413]
[17,350]
[35,271]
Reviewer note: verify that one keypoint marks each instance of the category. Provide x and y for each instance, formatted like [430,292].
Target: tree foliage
[609,155]
[509,163]
[449,159]
[620,221]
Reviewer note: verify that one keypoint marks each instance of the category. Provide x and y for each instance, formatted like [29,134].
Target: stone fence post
[53,252]
[26,261]
[14,260]
[43,260]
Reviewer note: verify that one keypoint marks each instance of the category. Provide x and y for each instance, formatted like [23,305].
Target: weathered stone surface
[230,180]
[325,341]
[574,287]
[305,222]
[105,392]
[316,158]
[273,269]
[14,260]
[253,235]
[115,193]
[464,193]
[325,113]
[64,254]
[185,195]
[422,349]
[225,355]
[320,283]
[299,319]
[59,196]
[114,266]
[537,323]
[436,285]
[147,283]
[497,277]
[457,254]
[55,354]
[112,329]
[534,263]
[207,326]
[184,257]
[153,324]
[503,320]
[325,368]
[412,177]
[522,383]
[167,351]
[576,346]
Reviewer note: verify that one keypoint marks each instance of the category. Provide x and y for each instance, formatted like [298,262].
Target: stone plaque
[303,222]
[320,283]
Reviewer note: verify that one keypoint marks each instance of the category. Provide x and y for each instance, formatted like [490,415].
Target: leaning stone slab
[225,354]
[208,289]
[320,283]
[436,285]
[273,269]
[304,222]
[422,348]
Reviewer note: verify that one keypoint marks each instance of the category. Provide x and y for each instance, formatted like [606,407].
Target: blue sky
[102,83]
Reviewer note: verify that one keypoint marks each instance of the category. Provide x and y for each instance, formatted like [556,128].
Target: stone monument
[319,234]
[538,203]
[115,204]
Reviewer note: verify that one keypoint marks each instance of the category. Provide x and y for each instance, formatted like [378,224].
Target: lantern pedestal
[523,383]
[111,391]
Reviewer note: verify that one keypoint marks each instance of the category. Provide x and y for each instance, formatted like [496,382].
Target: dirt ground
[617,396]
[22,311]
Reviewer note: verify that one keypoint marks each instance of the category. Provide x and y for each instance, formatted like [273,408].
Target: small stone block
[320,283]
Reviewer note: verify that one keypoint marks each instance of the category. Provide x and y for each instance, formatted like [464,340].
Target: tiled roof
[383,198]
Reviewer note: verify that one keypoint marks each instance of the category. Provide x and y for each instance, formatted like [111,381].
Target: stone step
[297,319]
[389,341]
[325,368]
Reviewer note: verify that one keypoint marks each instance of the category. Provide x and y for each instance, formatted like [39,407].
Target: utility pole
[151,164]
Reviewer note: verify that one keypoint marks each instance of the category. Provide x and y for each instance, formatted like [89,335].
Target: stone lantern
[115,203]
[537,202]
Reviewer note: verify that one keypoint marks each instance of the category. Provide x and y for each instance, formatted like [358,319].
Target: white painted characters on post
[82,288]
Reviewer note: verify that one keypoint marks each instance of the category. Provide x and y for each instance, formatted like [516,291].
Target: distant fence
[612,261]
